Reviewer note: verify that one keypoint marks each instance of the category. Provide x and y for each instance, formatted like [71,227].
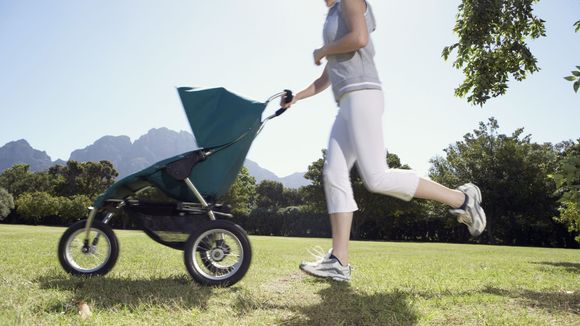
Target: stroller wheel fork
[204,204]
[199,197]
[90,219]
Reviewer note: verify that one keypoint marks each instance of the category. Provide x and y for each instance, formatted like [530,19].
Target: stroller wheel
[97,256]
[218,253]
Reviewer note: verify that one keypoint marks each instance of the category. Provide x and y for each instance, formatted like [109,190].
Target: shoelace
[465,219]
[317,252]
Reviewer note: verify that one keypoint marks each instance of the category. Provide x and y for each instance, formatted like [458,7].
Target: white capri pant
[357,136]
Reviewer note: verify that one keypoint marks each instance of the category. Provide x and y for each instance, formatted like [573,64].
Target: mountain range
[129,157]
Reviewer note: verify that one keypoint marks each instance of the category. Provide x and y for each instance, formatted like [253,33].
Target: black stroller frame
[216,251]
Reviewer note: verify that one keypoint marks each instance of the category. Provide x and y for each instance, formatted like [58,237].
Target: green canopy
[217,117]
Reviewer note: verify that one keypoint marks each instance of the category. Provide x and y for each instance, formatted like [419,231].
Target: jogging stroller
[216,250]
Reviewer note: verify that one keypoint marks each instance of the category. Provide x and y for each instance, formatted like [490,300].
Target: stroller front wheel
[97,256]
[218,253]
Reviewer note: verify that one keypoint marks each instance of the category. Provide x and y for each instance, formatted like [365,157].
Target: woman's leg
[336,171]
[340,158]
[364,110]
[340,203]
[341,224]
[428,189]
[337,187]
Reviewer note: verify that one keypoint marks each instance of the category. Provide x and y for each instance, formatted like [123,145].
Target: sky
[73,71]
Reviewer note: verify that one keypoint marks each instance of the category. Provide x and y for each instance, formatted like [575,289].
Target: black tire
[218,262]
[71,245]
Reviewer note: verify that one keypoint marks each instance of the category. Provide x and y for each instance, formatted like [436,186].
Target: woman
[357,136]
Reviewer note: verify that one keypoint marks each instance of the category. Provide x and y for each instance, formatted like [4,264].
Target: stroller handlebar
[287,96]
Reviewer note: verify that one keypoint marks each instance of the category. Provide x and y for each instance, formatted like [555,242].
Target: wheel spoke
[217,265]
[95,258]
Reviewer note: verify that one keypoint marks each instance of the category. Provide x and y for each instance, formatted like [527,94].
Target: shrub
[6,203]
[33,206]
[73,208]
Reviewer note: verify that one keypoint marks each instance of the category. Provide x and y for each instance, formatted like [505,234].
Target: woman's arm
[320,84]
[356,38]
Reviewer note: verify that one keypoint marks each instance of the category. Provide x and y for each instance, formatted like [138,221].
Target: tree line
[530,190]
[58,196]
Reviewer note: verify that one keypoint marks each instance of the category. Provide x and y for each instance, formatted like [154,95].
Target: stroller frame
[211,214]
[179,169]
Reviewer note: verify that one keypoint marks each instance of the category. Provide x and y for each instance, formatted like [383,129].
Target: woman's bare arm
[320,84]
[356,38]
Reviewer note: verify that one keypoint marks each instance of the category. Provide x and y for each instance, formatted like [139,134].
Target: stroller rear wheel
[97,256]
[218,253]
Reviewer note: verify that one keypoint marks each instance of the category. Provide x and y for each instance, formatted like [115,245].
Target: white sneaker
[327,267]
[473,216]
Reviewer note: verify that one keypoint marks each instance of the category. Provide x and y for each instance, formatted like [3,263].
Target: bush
[6,203]
[33,206]
[37,206]
[73,208]
[289,221]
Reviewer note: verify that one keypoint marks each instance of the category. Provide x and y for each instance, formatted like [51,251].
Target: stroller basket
[168,224]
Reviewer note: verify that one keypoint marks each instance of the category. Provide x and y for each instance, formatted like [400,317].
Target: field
[394,284]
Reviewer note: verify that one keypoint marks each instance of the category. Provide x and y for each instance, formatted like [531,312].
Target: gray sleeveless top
[355,70]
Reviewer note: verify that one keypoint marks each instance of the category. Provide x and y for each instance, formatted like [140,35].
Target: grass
[394,284]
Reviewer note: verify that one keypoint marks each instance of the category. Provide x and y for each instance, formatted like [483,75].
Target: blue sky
[73,71]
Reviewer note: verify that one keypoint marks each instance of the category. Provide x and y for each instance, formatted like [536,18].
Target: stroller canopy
[217,117]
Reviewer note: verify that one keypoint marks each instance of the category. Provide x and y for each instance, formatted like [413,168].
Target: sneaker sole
[331,277]
[479,198]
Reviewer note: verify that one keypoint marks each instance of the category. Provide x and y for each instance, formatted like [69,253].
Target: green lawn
[394,283]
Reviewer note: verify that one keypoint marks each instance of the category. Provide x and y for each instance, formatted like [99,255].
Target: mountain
[295,180]
[117,149]
[129,157]
[258,172]
[20,152]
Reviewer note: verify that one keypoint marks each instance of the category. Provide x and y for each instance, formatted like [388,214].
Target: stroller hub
[217,254]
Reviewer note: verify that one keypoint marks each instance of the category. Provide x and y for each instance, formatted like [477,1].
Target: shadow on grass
[551,301]
[120,293]
[341,305]
[569,267]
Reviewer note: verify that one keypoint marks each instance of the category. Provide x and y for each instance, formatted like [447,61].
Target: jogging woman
[357,136]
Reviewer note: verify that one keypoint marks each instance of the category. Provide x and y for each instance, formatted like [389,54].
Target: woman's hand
[285,105]
[318,55]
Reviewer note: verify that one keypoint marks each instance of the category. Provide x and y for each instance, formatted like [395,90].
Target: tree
[292,197]
[18,179]
[15,179]
[83,178]
[241,196]
[491,46]
[512,173]
[567,178]
[575,77]
[314,192]
[36,205]
[6,203]
[270,194]
[73,208]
